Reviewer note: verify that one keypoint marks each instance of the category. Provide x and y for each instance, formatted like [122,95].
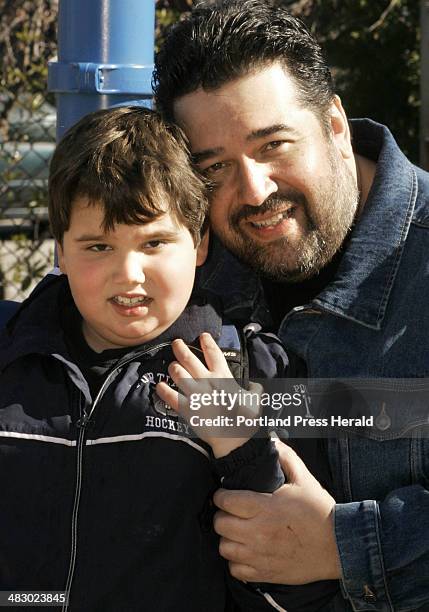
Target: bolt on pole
[105,56]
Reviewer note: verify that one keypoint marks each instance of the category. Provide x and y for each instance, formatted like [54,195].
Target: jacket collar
[37,328]
[235,284]
[362,285]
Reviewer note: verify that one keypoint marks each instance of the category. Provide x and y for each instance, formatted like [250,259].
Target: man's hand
[286,537]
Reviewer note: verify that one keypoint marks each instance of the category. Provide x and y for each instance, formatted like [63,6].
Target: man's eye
[99,248]
[215,168]
[274,144]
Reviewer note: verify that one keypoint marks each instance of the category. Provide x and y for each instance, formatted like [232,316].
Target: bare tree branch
[383,16]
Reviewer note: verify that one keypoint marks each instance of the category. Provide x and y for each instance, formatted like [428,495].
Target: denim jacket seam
[305,356]
[380,583]
[401,245]
[333,310]
[421,223]
[306,352]
[380,554]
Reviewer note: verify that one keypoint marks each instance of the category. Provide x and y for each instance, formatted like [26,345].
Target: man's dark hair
[221,41]
[133,163]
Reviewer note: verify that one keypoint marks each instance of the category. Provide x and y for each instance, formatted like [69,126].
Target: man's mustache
[274,203]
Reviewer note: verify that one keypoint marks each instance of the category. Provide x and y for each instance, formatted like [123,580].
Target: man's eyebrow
[269,131]
[201,156]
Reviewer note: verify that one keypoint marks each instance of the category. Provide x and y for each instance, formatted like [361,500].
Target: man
[335,221]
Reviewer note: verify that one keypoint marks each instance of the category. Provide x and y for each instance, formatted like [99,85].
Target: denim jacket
[372,320]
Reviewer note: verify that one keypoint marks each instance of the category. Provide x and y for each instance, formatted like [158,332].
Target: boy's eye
[99,248]
[154,244]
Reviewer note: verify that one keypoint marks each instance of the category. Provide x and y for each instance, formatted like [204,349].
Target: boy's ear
[60,253]
[203,248]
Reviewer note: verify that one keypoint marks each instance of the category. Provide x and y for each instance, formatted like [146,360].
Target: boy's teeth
[272,220]
[129,301]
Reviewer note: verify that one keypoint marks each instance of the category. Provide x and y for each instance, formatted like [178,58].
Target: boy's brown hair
[133,163]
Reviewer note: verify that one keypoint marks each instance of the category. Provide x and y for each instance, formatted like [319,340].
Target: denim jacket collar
[237,285]
[365,277]
[361,288]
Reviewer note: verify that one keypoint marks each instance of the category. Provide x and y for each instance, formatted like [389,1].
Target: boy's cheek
[61,262]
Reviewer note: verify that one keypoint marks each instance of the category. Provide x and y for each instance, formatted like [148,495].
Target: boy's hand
[193,379]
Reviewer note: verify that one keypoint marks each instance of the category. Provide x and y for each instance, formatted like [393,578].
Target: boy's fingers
[182,379]
[188,360]
[214,357]
[168,395]
[174,399]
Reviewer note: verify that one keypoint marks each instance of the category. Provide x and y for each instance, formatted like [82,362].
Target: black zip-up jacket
[108,497]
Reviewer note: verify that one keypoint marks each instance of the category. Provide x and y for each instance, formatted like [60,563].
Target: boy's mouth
[130,301]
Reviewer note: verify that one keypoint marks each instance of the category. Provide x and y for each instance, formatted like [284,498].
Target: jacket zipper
[82,425]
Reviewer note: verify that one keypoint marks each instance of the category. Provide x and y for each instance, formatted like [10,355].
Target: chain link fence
[26,245]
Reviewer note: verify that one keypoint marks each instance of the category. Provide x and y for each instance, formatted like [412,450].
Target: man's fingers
[243,572]
[292,465]
[242,504]
[234,551]
[231,527]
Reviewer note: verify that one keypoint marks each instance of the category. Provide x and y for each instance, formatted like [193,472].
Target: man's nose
[256,183]
[130,269]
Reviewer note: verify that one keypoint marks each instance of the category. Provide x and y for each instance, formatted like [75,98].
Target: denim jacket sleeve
[384,550]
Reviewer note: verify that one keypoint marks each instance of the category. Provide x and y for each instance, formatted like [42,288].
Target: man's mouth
[273,220]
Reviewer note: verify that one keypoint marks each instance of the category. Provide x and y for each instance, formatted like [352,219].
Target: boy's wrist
[253,465]
[223,446]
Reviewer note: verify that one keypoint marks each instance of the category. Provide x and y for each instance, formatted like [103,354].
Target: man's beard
[329,219]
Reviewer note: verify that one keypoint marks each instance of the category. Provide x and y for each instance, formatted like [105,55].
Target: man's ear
[203,247]
[340,129]
[60,255]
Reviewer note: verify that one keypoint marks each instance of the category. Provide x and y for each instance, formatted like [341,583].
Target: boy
[105,493]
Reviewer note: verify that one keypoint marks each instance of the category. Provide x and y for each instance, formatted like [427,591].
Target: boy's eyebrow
[149,235]
[205,154]
[160,233]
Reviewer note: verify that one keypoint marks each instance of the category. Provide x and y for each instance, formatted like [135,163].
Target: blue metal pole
[105,56]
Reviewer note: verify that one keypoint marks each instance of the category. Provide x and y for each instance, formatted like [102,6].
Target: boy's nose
[131,269]
[256,184]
